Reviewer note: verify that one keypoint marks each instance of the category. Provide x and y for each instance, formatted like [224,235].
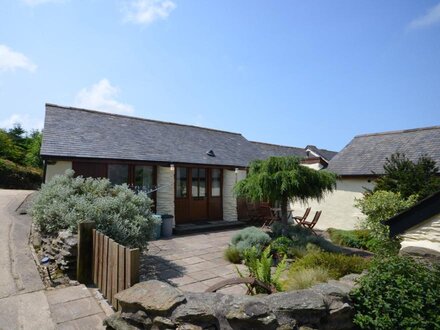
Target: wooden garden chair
[266,215]
[304,217]
[311,224]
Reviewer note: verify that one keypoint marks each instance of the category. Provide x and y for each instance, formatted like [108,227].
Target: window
[198,182]
[143,177]
[117,173]
[181,187]
[216,183]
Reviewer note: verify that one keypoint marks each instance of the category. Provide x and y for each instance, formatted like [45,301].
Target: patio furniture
[304,217]
[311,224]
[266,216]
[277,212]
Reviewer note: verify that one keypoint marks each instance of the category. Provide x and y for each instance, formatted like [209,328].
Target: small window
[143,177]
[117,173]
[216,183]
[181,178]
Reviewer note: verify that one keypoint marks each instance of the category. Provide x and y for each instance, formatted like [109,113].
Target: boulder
[151,296]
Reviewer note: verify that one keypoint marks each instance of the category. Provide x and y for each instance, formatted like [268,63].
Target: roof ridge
[138,118]
[276,145]
[399,131]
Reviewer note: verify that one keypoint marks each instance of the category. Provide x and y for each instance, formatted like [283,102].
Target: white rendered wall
[426,235]
[338,210]
[229,198]
[58,168]
[165,194]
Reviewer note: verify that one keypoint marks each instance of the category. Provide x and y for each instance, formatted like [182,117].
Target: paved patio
[192,263]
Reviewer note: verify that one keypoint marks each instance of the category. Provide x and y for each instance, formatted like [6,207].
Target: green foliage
[21,164]
[336,264]
[358,238]
[398,293]
[408,178]
[250,237]
[302,236]
[282,179]
[260,268]
[232,255]
[380,206]
[305,278]
[118,212]
[282,245]
[19,177]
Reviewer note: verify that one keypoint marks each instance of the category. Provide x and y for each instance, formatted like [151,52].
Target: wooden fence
[112,267]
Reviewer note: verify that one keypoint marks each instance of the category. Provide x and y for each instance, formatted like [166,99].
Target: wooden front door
[198,194]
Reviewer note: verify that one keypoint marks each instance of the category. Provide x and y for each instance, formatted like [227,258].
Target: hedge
[14,176]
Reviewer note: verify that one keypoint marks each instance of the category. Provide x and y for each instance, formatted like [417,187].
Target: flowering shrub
[118,212]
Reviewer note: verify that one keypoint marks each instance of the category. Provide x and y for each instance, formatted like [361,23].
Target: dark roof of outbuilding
[324,153]
[366,154]
[267,150]
[422,211]
[72,132]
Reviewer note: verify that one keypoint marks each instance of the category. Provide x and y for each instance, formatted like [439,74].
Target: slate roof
[366,154]
[71,132]
[324,153]
[267,150]
[422,211]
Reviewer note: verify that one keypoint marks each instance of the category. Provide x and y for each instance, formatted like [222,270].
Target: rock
[117,323]
[199,309]
[151,296]
[251,313]
[420,253]
[304,306]
[139,318]
[163,323]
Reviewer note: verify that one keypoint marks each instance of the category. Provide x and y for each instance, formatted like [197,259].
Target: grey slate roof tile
[79,133]
[366,154]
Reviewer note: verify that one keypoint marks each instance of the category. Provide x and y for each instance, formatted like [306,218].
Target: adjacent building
[360,163]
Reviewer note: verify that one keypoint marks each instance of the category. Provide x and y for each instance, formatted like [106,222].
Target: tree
[408,178]
[282,179]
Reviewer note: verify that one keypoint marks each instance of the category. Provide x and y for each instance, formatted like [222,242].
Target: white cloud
[26,121]
[147,11]
[102,96]
[11,60]
[430,18]
[34,3]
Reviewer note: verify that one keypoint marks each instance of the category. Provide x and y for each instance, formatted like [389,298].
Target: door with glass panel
[198,194]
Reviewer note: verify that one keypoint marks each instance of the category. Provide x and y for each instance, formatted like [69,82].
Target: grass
[336,264]
[305,278]
[359,239]
[232,255]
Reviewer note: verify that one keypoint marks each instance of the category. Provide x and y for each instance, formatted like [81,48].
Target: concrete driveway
[192,263]
[24,301]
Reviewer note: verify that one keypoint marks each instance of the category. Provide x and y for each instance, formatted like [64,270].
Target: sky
[284,72]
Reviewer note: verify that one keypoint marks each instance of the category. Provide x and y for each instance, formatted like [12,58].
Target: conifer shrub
[120,213]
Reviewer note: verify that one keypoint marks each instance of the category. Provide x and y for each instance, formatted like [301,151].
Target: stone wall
[165,195]
[229,199]
[158,305]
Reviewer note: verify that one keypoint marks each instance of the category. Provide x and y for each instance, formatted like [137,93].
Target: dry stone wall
[158,305]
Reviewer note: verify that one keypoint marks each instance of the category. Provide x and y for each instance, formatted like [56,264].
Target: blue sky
[283,72]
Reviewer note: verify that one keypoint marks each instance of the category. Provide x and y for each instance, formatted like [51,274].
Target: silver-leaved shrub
[118,211]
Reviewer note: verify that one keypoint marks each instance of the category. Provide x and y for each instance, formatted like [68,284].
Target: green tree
[283,179]
[8,149]
[409,178]
[33,147]
[380,206]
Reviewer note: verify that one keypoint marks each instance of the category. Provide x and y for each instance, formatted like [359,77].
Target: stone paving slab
[75,308]
[192,263]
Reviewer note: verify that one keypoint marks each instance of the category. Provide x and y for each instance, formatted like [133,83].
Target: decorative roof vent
[210,153]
